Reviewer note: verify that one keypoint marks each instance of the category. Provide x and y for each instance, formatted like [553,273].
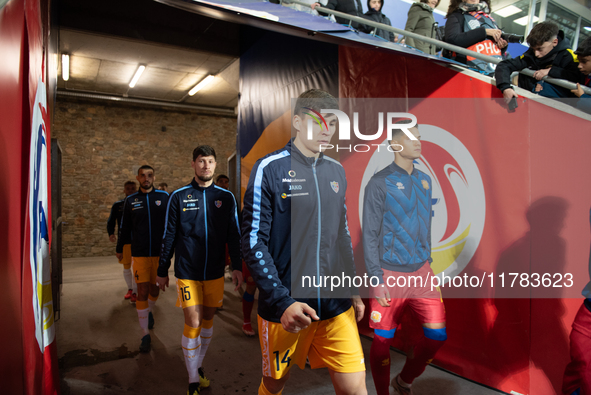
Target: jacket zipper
[149,223]
[206,252]
[319,233]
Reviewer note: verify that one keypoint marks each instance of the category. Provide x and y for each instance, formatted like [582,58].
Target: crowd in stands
[470,25]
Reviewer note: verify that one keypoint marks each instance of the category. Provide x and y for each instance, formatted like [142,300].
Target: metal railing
[454,48]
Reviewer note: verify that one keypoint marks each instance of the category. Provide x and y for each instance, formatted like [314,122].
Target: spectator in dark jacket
[470,26]
[549,54]
[421,21]
[584,56]
[351,7]
[375,14]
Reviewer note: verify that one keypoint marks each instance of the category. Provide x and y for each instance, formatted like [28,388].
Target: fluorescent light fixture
[65,66]
[204,82]
[507,11]
[523,20]
[588,28]
[137,75]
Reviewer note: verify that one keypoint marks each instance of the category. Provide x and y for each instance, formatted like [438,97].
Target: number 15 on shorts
[185,293]
[284,360]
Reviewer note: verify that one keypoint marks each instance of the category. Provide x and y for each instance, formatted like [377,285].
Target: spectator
[375,14]
[549,55]
[470,26]
[421,21]
[584,55]
[351,7]
[163,187]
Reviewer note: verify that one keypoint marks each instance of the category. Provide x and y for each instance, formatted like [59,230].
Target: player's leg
[336,345]
[428,305]
[213,296]
[154,291]
[142,278]
[127,274]
[247,301]
[190,298]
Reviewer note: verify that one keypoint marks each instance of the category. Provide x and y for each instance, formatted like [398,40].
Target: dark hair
[203,150]
[163,184]
[145,167]
[542,32]
[129,183]
[222,176]
[454,4]
[398,132]
[315,99]
[427,1]
[584,48]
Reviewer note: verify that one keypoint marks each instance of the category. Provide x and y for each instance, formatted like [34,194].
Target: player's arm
[111,222]
[257,218]
[124,228]
[233,241]
[171,225]
[373,201]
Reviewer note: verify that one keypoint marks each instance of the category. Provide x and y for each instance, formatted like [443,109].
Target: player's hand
[539,74]
[579,91]
[509,94]
[383,295]
[358,306]
[112,238]
[162,282]
[237,279]
[119,255]
[297,317]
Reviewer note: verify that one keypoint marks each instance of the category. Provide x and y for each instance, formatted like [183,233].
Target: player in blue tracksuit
[200,219]
[143,224]
[397,243]
[295,226]
[115,219]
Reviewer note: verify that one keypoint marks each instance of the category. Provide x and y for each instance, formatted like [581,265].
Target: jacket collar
[200,188]
[399,169]
[297,154]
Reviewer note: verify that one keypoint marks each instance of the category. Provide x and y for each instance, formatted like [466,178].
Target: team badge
[158,202]
[335,186]
[283,195]
[425,184]
[376,316]
[218,203]
[292,173]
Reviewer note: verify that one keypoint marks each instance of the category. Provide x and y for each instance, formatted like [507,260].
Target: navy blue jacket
[115,217]
[199,223]
[397,221]
[294,226]
[143,223]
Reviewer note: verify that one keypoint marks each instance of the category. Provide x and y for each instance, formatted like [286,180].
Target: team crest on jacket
[218,203]
[158,202]
[425,184]
[335,186]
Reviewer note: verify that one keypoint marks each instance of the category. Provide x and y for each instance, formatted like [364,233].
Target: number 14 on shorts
[285,360]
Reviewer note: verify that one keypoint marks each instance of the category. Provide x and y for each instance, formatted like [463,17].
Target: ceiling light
[588,28]
[508,11]
[206,81]
[65,67]
[523,20]
[137,75]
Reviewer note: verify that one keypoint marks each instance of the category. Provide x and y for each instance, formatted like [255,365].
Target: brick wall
[104,144]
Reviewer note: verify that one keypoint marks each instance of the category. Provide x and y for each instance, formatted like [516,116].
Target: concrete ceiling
[105,56]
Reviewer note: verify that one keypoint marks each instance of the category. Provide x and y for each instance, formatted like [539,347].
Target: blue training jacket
[142,223]
[199,223]
[294,226]
[397,221]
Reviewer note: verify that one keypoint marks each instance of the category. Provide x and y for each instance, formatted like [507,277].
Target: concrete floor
[98,336]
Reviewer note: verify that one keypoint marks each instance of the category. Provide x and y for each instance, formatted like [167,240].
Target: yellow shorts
[332,343]
[145,268]
[126,259]
[209,293]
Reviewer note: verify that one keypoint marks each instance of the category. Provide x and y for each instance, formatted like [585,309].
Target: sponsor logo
[190,208]
[218,203]
[335,186]
[376,316]
[158,202]
[190,200]
[136,199]
[291,173]
[295,187]
[189,196]
[317,117]
[283,195]
[400,185]
[293,180]
[458,199]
